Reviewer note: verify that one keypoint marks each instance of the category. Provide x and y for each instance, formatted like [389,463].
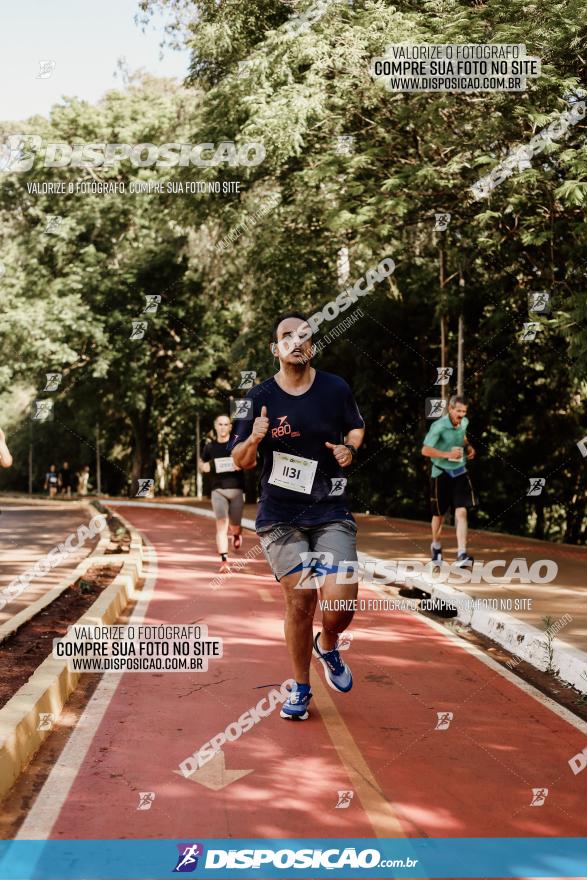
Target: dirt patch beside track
[22,652]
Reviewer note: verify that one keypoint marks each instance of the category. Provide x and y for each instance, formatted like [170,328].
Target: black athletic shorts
[451,492]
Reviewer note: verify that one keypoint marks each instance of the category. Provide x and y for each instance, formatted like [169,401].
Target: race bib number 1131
[292,472]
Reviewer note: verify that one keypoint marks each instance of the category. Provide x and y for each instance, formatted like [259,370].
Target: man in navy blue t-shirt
[305,428]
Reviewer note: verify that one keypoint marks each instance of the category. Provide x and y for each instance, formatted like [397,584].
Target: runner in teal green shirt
[444,435]
[447,445]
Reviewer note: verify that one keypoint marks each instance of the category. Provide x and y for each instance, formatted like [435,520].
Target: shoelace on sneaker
[334,662]
[296,697]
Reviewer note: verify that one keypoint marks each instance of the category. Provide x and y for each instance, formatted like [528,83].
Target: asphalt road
[434,740]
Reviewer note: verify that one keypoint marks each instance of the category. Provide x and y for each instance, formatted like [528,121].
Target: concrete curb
[521,639]
[49,688]
[40,500]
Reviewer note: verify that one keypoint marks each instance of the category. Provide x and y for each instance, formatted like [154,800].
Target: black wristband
[352,449]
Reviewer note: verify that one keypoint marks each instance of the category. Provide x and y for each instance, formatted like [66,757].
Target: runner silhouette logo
[247,379]
[241,409]
[537,484]
[189,855]
[344,800]
[139,328]
[529,332]
[344,641]
[441,222]
[539,301]
[144,487]
[444,375]
[444,719]
[53,224]
[53,381]
[539,795]
[46,68]
[46,720]
[8,157]
[315,567]
[435,407]
[152,303]
[345,145]
[42,411]
[146,800]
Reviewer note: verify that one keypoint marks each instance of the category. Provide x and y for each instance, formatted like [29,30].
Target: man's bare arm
[355,437]
[432,452]
[469,449]
[244,454]
[5,456]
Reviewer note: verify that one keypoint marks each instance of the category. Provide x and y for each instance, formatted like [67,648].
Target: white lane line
[529,689]
[50,800]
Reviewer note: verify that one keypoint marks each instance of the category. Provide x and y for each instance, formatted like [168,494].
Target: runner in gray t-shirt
[228,485]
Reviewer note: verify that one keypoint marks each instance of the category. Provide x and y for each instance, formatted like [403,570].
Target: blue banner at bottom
[303,858]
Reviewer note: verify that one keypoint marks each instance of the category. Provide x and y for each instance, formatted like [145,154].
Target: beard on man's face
[299,362]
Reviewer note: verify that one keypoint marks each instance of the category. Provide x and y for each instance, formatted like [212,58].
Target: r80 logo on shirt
[283,429]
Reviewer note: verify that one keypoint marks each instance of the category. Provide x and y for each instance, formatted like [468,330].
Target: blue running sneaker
[435,553]
[464,561]
[338,675]
[296,705]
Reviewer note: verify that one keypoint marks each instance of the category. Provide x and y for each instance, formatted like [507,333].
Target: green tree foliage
[299,88]
[73,294]
[296,76]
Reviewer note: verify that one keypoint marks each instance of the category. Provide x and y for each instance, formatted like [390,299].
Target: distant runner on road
[65,476]
[52,481]
[450,487]
[228,484]
[83,477]
[306,429]
[5,456]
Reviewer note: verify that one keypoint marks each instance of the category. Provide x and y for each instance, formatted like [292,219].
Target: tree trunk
[443,354]
[539,524]
[461,342]
[143,455]
[460,363]
[575,514]
[443,321]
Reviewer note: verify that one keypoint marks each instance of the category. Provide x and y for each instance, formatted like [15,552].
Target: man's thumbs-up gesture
[342,454]
[260,425]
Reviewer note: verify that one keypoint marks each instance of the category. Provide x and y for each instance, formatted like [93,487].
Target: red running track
[474,779]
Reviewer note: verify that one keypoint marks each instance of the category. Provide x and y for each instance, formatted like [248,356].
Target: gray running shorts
[289,548]
[228,503]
